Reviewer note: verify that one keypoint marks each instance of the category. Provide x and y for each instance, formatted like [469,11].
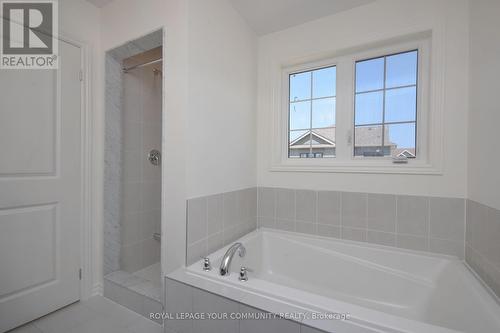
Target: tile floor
[146,281]
[151,273]
[95,315]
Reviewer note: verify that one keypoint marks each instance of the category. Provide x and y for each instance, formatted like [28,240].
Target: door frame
[87,238]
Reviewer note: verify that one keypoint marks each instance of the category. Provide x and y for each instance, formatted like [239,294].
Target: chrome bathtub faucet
[225,264]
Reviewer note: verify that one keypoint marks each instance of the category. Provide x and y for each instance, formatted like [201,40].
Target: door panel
[40,189]
[20,154]
[36,226]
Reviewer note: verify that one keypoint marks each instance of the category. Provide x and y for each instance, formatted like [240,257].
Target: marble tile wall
[113,165]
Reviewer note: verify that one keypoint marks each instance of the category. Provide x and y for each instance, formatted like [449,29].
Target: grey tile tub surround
[216,220]
[182,298]
[482,243]
[422,223]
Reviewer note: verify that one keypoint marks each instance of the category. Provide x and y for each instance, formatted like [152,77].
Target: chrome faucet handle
[206,264]
[243,274]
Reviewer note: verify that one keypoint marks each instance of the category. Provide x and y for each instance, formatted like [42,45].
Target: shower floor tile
[125,279]
[146,281]
[151,273]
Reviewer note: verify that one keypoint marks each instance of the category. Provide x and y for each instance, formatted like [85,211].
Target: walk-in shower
[132,193]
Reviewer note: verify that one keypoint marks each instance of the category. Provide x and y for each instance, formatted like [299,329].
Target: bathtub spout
[225,264]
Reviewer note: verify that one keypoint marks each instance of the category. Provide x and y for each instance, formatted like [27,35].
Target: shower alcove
[132,187]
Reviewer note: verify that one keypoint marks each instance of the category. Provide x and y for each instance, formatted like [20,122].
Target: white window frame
[429,139]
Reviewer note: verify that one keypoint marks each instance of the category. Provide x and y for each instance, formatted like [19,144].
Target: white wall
[129,19]
[484,113]
[209,105]
[209,87]
[222,100]
[80,20]
[381,20]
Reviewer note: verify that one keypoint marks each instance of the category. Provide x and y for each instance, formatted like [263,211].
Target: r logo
[29,37]
[27,27]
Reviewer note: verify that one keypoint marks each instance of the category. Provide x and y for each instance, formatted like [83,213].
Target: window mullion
[344,106]
[383,106]
[311,113]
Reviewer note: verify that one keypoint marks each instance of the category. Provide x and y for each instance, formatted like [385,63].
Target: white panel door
[40,189]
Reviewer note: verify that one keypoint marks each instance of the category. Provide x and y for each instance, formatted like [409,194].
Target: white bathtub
[382,289]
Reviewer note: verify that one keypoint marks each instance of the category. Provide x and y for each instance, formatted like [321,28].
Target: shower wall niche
[132,192]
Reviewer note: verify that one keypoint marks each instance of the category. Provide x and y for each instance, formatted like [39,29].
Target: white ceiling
[99,3]
[266,16]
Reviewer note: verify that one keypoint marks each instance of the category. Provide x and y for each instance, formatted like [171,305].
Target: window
[385,116]
[311,116]
[362,112]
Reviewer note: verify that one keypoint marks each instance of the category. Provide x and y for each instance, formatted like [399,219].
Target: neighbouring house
[320,142]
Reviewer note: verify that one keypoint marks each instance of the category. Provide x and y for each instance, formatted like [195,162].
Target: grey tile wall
[413,222]
[430,224]
[141,181]
[216,220]
[132,185]
[482,250]
[182,299]
[265,326]
[204,302]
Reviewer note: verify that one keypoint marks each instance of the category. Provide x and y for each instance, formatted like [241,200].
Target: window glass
[400,104]
[369,108]
[312,113]
[368,140]
[294,135]
[402,69]
[300,115]
[387,115]
[324,84]
[400,138]
[300,86]
[370,75]
[323,112]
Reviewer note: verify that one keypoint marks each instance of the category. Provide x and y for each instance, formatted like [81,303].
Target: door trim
[87,238]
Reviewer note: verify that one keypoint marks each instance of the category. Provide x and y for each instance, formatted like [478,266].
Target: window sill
[353,167]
